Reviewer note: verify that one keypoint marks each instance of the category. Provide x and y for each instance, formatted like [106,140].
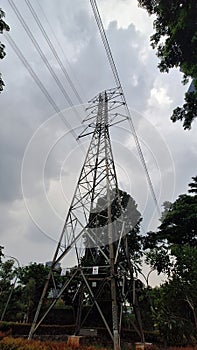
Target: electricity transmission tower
[94,227]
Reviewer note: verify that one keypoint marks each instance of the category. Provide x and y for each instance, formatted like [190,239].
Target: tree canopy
[173,250]
[127,207]
[175,39]
[178,229]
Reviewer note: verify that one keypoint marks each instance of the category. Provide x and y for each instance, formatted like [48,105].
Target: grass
[9,343]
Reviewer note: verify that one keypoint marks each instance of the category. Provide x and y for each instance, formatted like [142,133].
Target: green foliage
[159,259]
[173,315]
[22,297]
[127,207]
[175,39]
[188,112]
[166,205]
[180,224]
[173,250]
[3,27]
[7,275]
[175,34]
[31,280]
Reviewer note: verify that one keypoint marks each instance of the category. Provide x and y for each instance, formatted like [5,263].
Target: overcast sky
[40,158]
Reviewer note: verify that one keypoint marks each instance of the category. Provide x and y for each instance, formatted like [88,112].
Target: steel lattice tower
[94,226]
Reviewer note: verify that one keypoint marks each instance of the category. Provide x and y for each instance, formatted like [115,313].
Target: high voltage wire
[58,82]
[60,47]
[53,51]
[39,50]
[42,55]
[119,85]
[38,82]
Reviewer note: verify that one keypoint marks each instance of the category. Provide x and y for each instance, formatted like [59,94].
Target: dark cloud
[53,159]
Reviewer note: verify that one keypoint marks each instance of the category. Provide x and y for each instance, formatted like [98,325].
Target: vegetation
[22,344]
[123,209]
[132,219]
[175,39]
[7,276]
[3,27]
[170,310]
[173,250]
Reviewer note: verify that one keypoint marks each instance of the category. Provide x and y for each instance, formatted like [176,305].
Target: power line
[55,54]
[119,85]
[61,48]
[58,82]
[42,55]
[38,82]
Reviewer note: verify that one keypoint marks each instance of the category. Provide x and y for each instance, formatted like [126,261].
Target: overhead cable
[38,82]
[119,85]
[42,55]
[61,48]
[55,54]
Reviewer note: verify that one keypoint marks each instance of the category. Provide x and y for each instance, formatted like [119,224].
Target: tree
[173,250]
[179,226]
[21,299]
[175,39]
[166,205]
[7,277]
[3,27]
[125,222]
[126,206]
[193,185]
[31,279]
[172,315]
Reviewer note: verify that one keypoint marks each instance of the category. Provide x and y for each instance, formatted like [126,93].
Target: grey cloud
[24,109]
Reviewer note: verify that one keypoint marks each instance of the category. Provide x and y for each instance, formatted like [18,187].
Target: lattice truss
[96,180]
[94,226]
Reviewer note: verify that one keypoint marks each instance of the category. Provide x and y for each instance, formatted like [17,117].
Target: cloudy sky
[40,158]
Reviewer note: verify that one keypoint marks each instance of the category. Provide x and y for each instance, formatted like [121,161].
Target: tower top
[113,97]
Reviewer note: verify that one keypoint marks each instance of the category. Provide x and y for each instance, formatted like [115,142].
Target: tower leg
[115,316]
